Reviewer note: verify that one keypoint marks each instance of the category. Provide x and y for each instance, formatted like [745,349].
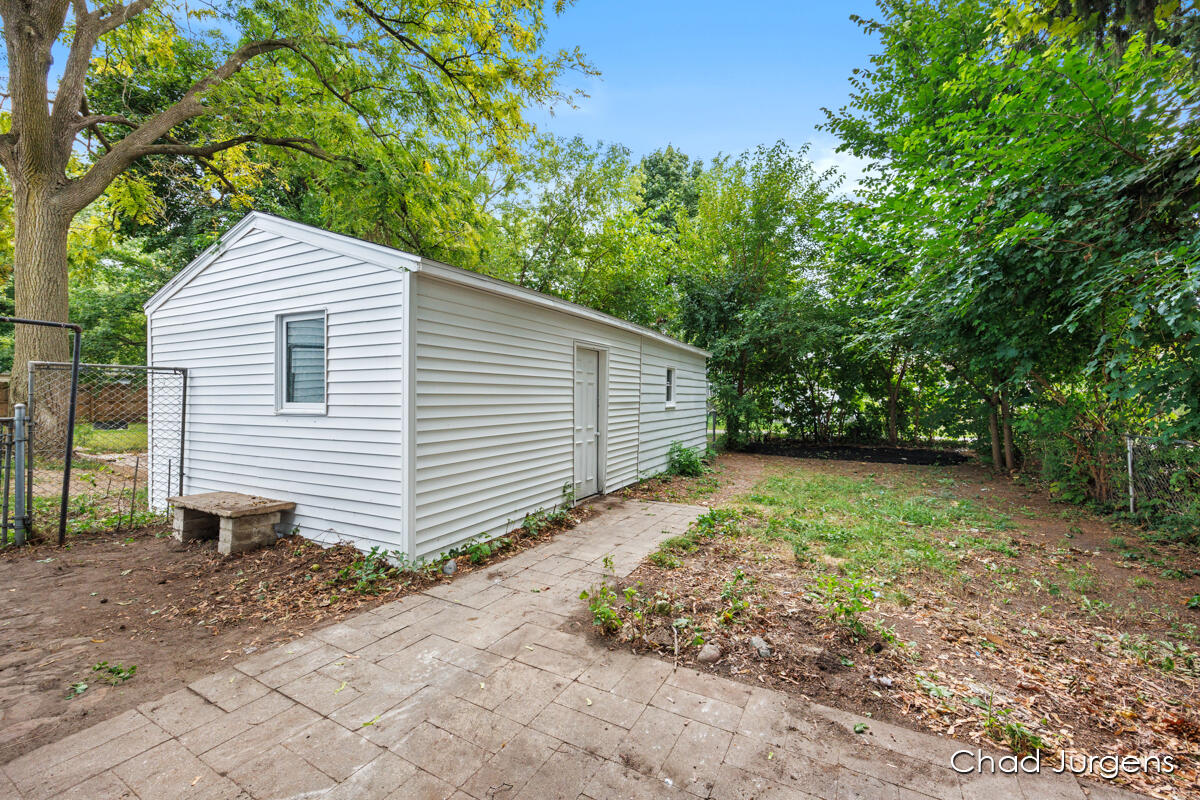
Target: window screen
[304,359]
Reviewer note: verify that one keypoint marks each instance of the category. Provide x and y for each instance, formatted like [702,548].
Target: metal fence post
[30,433]
[19,475]
[1129,466]
[182,423]
[70,443]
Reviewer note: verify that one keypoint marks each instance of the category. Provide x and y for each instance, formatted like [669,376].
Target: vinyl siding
[494,409]
[661,425]
[344,469]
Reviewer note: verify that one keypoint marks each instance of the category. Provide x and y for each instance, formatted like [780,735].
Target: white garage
[405,403]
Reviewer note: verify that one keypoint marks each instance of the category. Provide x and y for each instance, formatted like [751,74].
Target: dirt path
[176,612]
[733,474]
[104,600]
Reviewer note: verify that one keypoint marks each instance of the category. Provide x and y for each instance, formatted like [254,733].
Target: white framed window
[670,387]
[300,363]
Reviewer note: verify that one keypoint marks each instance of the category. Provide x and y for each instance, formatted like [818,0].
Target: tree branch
[140,141]
[89,27]
[85,122]
[122,14]
[8,141]
[204,151]
[415,46]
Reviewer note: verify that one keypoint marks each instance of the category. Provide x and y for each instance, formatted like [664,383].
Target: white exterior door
[587,422]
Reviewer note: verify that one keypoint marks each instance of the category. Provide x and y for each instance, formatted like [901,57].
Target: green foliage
[718,522]
[876,530]
[130,439]
[756,226]
[537,522]
[478,552]
[670,186]
[602,602]
[685,461]
[931,687]
[1158,653]
[114,674]
[1029,220]
[573,224]
[664,558]
[370,574]
[733,593]
[843,599]
[76,689]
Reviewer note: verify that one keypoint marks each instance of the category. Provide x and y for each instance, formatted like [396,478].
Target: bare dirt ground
[1054,628]
[733,474]
[175,611]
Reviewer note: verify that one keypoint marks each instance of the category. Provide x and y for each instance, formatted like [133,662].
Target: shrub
[717,522]
[685,461]
[843,599]
[602,602]
[369,574]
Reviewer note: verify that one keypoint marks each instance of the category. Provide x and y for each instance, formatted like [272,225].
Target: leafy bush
[685,461]
[602,601]
[368,574]
[843,599]
[717,522]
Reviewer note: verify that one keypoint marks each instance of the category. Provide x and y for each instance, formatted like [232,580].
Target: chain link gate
[1163,476]
[128,442]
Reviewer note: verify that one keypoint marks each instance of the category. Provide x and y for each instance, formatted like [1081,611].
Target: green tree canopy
[375,88]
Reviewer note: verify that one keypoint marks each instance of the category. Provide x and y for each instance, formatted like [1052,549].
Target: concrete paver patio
[475,690]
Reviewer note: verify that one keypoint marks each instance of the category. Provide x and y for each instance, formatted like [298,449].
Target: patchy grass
[110,509]
[865,527]
[941,599]
[131,439]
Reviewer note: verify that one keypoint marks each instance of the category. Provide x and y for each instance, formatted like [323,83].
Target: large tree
[347,82]
[1033,207]
[756,233]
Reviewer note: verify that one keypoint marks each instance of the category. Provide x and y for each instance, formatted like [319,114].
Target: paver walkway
[475,691]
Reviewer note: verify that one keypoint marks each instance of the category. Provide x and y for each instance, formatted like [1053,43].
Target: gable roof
[390,258]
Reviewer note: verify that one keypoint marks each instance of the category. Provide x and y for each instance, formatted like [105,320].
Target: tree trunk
[1010,460]
[39,282]
[994,430]
[917,418]
[894,404]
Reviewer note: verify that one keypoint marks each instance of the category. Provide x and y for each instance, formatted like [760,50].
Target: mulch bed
[882,454]
[177,611]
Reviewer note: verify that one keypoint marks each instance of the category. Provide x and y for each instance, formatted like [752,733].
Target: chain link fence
[128,443]
[1163,477]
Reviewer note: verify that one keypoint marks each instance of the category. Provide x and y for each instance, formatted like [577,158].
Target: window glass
[304,357]
[670,384]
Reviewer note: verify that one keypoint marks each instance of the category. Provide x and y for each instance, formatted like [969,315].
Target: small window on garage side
[670,386]
[300,362]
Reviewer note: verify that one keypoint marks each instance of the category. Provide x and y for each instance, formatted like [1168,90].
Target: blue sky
[711,77]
